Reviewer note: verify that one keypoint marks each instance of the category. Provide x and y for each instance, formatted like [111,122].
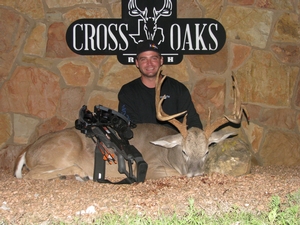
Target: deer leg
[46,172]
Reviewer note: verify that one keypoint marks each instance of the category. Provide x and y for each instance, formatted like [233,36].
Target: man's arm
[126,106]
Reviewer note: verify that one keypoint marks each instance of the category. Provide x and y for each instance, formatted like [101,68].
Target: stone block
[13,30]
[215,64]
[30,90]
[280,148]
[280,118]
[70,103]
[178,72]
[57,45]
[114,74]
[79,13]
[230,157]
[242,2]
[287,28]
[254,112]
[36,42]
[297,95]
[116,9]
[209,93]
[24,127]
[298,121]
[76,73]
[254,29]
[8,155]
[5,128]
[32,8]
[277,5]
[52,125]
[240,54]
[254,134]
[213,9]
[188,9]
[262,79]
[96,60]
[68,3]
[105,98]
[289,54]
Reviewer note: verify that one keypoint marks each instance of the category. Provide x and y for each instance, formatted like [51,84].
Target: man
[137,98]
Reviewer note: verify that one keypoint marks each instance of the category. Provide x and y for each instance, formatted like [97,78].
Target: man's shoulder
[173,80]
[175,83]
[131,85]
[133,82]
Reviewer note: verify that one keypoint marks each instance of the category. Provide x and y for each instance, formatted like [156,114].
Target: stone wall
[43,84]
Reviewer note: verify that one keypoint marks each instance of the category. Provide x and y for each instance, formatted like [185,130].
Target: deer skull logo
[149,23]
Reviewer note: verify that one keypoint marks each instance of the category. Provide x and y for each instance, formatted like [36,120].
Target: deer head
[150,23]
[193,142]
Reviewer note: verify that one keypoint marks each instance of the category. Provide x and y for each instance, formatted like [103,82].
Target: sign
[146,19]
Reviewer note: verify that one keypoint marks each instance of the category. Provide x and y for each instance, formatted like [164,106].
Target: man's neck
[148,81]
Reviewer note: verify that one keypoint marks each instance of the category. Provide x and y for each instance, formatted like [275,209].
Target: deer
[166,151]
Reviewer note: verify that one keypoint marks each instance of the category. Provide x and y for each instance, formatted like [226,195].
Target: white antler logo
[152,31]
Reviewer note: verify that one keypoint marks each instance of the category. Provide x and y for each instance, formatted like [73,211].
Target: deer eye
[183,152]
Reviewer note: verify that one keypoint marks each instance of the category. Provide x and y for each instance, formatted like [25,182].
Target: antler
[166,10]
[133,10]
[161,115]
[236,116]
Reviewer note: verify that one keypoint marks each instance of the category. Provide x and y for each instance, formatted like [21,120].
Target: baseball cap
[147,45]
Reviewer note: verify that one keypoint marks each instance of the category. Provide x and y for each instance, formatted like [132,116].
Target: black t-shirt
[137,102]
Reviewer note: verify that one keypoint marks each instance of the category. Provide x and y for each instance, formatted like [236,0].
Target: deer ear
[168,141]
[219,136]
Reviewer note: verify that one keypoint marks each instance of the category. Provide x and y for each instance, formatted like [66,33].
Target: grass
[278,214]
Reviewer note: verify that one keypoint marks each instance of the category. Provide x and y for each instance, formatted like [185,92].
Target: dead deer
[167,152]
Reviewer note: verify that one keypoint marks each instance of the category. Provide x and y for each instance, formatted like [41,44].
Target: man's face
[148,63]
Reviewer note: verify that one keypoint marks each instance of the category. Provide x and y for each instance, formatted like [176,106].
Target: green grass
[278,214]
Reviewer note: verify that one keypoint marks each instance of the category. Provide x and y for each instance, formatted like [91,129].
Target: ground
[38,201]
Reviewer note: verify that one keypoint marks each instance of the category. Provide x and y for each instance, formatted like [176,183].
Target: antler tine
[161,115]
[210,128]
[238,107]
[166,10]
[237,114]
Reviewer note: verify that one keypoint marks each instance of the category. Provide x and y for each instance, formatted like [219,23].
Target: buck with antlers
[167,152]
